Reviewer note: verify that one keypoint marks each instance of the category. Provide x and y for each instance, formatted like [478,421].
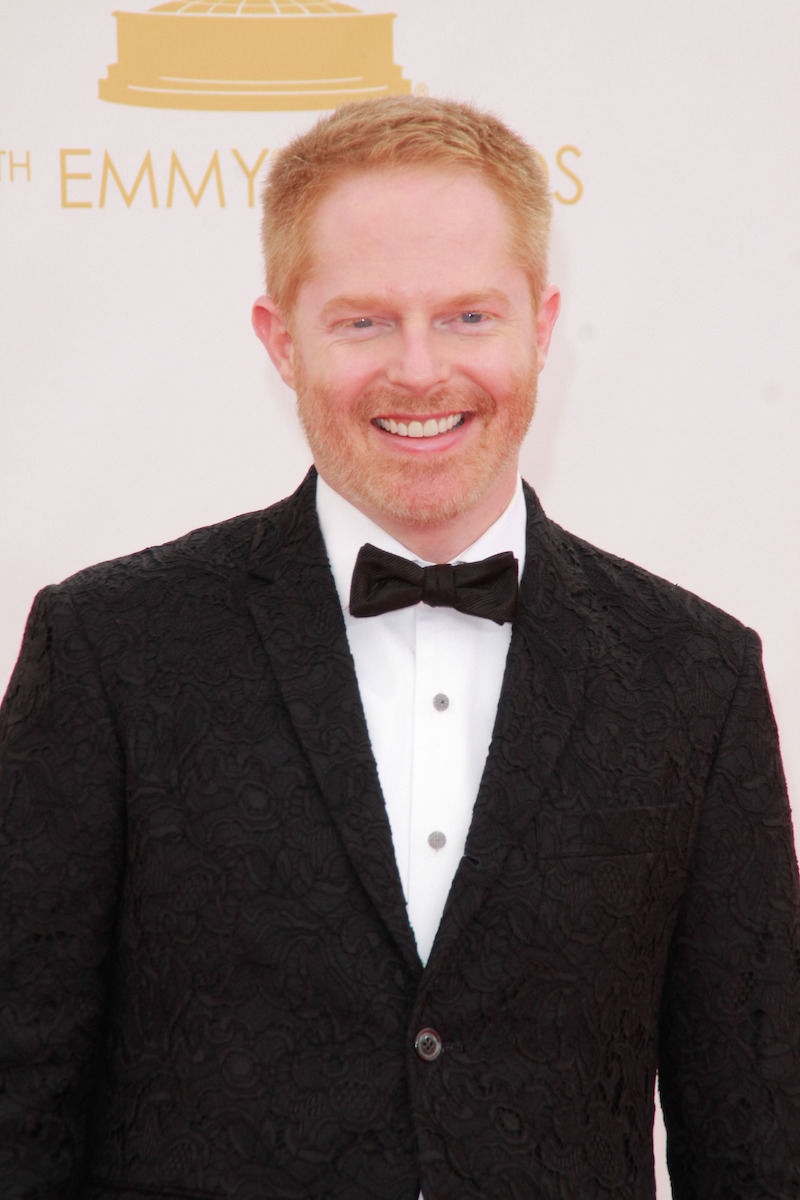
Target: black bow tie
[383,582]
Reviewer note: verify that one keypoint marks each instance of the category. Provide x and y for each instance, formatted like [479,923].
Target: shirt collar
[345,530]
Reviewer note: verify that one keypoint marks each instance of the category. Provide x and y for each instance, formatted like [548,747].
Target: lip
[422,445]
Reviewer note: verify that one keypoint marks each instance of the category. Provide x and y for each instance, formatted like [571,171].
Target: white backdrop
[136,403]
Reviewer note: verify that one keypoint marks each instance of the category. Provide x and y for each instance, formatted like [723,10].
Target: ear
[273,331]
[546,316]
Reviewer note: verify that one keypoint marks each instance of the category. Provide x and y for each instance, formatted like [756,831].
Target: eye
[362,323]
[472,318]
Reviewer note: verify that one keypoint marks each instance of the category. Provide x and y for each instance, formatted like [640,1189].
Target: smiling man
[414,346]
[392,840]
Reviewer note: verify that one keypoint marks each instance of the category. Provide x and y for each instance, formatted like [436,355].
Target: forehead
[372,218]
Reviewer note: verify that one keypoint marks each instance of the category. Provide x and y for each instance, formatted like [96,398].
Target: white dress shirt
[430,681]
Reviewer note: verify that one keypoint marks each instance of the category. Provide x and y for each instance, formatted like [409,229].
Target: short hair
[391,133]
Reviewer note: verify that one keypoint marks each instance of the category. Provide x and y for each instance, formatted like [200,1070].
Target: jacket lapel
[540,699]
[294,603]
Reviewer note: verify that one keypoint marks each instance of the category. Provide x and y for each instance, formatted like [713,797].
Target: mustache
[382,400]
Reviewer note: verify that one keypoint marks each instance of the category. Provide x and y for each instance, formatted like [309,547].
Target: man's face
[414,347]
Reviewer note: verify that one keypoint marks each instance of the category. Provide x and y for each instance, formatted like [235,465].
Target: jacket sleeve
[61,847]
[729,1065]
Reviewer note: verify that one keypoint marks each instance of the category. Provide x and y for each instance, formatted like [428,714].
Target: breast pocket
[613,875]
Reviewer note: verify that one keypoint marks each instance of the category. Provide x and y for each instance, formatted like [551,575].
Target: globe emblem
[251,55]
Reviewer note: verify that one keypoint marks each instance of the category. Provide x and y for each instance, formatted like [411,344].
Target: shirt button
[440,702]
[428,1045]
[436,839]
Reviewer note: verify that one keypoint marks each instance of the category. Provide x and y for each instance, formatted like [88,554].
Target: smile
[420,429]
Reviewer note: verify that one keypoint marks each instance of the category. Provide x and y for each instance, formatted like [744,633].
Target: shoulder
[630,605]
[211,550]
[141,612]
[204,559]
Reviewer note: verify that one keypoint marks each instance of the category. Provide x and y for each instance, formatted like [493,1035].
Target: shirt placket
[438,786]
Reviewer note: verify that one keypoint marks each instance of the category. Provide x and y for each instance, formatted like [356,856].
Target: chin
[428,499]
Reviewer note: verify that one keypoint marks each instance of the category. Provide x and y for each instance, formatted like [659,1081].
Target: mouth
[428,427]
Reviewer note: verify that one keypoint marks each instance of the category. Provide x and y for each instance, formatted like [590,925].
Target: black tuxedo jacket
[210,986]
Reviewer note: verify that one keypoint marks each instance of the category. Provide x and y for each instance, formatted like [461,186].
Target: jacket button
[428,1045]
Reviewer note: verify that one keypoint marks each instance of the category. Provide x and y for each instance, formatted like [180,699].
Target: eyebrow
[354,303]
[370,302]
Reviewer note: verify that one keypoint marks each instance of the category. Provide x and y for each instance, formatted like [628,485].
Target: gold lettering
[213,168]
[570,175]
[128,197]
[251,174]
[26,164]
[67,175]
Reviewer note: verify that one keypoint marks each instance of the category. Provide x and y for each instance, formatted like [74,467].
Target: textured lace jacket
[209,985]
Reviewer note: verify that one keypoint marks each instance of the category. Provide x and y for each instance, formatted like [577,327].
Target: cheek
[342,377]
[502,365]
[505,385]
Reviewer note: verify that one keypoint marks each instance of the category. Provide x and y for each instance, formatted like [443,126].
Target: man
[312,895]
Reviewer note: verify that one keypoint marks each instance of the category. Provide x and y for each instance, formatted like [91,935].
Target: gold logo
[252,54]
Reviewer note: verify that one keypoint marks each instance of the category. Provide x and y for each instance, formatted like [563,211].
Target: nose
[418,362]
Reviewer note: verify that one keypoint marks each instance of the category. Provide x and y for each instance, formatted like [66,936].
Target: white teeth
[416,429]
